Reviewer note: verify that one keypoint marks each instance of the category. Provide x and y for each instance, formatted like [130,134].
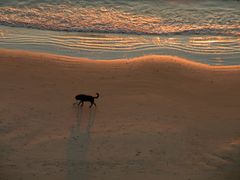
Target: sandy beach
[157,117]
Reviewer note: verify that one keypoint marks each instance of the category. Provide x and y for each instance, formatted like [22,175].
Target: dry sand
[157,118]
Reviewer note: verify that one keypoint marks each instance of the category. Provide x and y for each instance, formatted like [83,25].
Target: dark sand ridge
[157,118]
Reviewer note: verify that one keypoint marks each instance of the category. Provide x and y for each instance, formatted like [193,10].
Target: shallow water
[205,31]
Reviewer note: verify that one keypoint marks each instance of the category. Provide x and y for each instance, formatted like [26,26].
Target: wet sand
[157,117]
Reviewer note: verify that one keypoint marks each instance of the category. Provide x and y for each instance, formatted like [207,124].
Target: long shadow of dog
[78,145]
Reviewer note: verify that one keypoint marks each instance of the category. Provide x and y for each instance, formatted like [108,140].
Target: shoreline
[21,54]
[156,118]
[199,48]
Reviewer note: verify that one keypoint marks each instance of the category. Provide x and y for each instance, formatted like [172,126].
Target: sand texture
[156,118]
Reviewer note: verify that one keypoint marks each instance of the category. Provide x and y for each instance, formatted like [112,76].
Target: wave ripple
[218,50]
[118,18]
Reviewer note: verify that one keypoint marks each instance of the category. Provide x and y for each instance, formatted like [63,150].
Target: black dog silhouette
[86,98]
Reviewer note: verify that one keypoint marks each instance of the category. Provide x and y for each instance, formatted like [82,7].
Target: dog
[86,98]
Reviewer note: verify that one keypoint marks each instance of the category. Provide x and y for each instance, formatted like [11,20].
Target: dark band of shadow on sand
[78,145]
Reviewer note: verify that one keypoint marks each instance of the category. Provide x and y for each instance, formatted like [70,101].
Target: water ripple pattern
[218,50]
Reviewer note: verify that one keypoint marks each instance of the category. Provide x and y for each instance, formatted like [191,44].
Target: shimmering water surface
[205,31]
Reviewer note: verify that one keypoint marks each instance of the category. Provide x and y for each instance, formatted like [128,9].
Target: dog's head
[77,97]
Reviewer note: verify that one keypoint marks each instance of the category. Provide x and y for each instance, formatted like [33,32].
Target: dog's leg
[82,103]
[94,104]
[79,102]
[91,104]
[75,103]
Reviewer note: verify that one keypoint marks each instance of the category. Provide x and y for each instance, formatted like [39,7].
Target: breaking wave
[120,19]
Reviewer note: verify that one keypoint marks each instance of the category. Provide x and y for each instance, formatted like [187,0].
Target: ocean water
[207,31]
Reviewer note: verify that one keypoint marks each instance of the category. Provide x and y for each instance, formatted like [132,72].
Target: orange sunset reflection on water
[103,19]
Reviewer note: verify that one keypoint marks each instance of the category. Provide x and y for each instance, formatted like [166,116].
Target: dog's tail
[97,95]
